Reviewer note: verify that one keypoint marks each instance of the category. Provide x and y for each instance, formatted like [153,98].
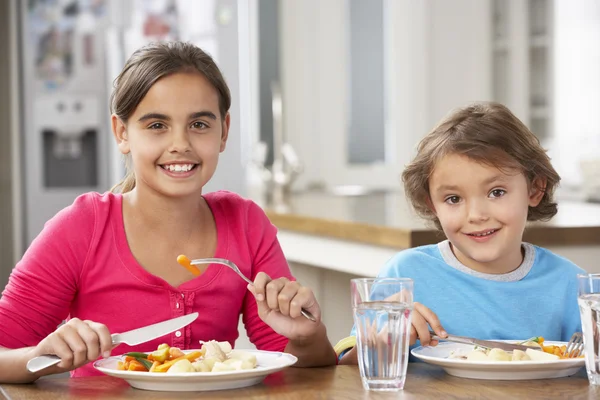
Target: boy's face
[175,135]
[482,211]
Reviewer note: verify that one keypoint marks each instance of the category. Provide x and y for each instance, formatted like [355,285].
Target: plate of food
[543,361]
[215,366]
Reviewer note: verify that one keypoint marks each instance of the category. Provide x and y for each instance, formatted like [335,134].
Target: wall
[6,169]
[438,55]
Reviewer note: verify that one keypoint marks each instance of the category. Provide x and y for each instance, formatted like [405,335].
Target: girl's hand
[279,303]
[77,343]
[421,316]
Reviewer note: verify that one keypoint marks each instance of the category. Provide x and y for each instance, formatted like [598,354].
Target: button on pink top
[81,266]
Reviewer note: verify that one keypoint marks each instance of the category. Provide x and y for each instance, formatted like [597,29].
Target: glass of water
[589,308]
[382,309]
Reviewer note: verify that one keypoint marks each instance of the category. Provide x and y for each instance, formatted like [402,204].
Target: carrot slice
[187,264]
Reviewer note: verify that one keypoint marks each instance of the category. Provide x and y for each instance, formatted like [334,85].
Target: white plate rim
[456,362]
[288,360]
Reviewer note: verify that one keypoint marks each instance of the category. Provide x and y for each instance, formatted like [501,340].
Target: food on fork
[213,356]
[185,262]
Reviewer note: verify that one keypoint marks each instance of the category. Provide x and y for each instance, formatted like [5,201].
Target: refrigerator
[70,51]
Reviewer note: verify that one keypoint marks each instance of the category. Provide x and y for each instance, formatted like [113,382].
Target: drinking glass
[382,309]
[589,308]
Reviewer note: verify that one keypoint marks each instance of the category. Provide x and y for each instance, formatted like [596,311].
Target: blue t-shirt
[537,299]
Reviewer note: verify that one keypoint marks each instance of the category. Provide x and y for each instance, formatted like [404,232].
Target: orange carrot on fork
[187,263]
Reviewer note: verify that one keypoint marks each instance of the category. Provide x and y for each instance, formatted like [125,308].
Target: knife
[490,344]
[132,338]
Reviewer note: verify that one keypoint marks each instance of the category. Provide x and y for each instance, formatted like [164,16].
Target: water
[589,307]
[383,334]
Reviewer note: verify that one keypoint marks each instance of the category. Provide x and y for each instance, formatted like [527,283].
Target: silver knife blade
[490,344]
[150,332]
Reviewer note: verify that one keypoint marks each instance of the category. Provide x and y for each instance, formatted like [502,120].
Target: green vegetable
[145,362]
[136,354]
[533,339]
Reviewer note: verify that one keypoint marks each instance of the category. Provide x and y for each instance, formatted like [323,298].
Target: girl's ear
[537,191]
[225,131]
[120,132]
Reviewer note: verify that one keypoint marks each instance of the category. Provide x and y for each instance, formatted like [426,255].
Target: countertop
[385,219]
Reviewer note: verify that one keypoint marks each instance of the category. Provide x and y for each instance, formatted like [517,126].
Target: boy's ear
[225,131]
[430,204]
[537,191]
[120,132]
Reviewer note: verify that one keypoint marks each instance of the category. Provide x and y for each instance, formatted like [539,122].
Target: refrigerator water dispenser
[68,132]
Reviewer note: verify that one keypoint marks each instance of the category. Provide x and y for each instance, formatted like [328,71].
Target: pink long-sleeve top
[81,266]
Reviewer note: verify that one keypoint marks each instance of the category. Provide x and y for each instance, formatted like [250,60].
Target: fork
[234,267]
[575,346]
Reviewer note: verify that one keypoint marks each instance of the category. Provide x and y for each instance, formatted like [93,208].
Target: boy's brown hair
[488,133]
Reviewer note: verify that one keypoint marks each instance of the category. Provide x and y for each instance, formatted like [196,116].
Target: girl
[479,176]
[108,263]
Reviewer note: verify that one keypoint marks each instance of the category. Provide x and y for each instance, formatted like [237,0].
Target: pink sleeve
[43,284]
[267,257]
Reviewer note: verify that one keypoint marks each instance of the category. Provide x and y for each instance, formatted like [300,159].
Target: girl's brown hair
[151,63]
[488,133]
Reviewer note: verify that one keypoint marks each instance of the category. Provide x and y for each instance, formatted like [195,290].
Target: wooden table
[342,382]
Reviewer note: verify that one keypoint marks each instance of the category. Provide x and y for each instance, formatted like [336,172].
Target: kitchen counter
[385,219]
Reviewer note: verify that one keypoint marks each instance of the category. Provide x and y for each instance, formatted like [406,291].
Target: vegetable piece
[187,264]
[537,355]
[181,366]
[135,365]
[147,364]
[121,366]
[201,366]
[136,354]
[519,355]
[153,367]
[220,367]
[247,358]
[174,353]
[477,355]
[161,354]
[168,364]
[499,355]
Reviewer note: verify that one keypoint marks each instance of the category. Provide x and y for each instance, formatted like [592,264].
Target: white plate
[496,370]
[268,362]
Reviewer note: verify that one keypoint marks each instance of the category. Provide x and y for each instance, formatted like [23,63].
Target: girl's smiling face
[175,135]
[482,211]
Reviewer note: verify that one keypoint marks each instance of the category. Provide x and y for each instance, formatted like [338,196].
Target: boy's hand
[77,343]
[421,316]
[279,303]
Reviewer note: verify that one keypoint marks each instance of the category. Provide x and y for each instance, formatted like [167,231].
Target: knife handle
[452,338]
[42,362]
